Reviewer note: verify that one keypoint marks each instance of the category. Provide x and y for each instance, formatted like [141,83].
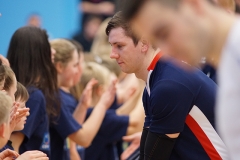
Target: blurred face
[70,71]
[124,51]
[180,32]
[20,124]
[35,21]
[91,28]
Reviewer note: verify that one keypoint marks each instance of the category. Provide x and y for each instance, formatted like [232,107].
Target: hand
[135,143]
[16,115]
[22,112]
[33,155]
[108,96]
[13,116]
[8,154]
[86,98]
[4,60]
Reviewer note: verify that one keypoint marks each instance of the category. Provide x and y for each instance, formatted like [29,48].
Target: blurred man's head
[91,26]
[184,29]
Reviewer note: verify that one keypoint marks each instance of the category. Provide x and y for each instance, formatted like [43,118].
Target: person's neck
[221,27]
[65,89]
[142,73]
[61,84]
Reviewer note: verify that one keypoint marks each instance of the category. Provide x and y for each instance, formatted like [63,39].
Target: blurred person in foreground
[230,7]
[189,30]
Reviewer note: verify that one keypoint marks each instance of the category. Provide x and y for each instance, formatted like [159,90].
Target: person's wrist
[82,107]
[102,106]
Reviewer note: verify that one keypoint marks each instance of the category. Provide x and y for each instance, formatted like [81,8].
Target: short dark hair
[21,93]
[118,20]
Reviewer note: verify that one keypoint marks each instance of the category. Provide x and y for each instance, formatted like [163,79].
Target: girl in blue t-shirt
[17,92]
[29,55]
[68,122]
[117,122]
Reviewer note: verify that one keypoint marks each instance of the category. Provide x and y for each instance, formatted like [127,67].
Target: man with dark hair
[179,106]
[191,29]
[120,21]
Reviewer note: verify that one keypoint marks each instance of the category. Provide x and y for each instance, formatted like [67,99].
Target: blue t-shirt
[171,100]
[37,122]
[7,146]
[64,125]
[210,72]
[115,105]
[112,129]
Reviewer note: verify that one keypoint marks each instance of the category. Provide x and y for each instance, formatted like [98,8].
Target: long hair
[29,54]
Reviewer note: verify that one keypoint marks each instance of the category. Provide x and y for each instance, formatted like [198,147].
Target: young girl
[29,55]
[115,125]
[10,87]
[21,96]
[68,124]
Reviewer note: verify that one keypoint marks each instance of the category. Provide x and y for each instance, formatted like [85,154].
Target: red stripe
[154,62]
[202,138]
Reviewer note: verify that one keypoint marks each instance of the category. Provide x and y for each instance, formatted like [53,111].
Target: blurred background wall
[59,17]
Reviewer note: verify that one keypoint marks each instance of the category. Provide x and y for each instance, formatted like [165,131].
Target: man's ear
[59,67]
[2,130]
[144,45]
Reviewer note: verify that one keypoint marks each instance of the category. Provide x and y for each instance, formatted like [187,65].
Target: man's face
[177,32]
[127,55]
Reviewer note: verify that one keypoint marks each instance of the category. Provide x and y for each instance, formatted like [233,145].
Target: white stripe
[148,78]
[208,129]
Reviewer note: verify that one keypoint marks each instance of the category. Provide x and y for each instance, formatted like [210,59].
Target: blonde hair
[21,93]
[9,78]
[64,50]
[5,107]
[111,65]
[92,70]
[100,45]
